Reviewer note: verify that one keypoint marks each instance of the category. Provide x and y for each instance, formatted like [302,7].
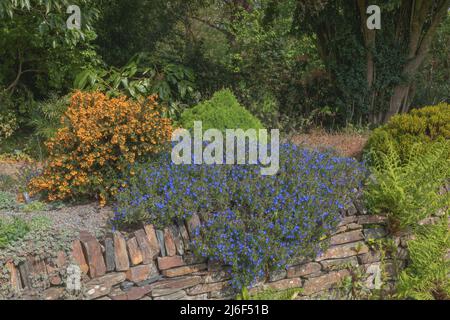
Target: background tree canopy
[293,63]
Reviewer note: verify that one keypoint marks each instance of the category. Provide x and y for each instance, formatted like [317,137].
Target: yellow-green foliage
[409,192]
[222,112]
[427,275]
[406,130]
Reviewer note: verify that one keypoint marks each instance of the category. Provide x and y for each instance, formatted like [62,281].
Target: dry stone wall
[159,265]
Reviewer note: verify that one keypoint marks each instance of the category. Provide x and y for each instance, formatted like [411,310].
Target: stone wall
[158,264]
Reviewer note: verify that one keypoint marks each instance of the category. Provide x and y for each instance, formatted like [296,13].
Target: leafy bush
[253,223]
[222,112]
[426,277]
[407,130]
[99,139]
[174,84]
[409,192]
[7,201]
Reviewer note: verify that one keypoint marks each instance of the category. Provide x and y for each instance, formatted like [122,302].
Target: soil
[345,144]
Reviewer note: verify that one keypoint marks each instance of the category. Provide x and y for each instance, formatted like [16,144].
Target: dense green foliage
[221,112]
[373,71]
[409,192]
[272,54]
[426,277]
[409,134]
[410,159]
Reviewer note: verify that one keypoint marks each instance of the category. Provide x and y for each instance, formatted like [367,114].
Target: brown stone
[171,249]
[338,264]
[85,236]
[137,293]
[344,251]
[151,235]
[284,284]
[96,291]
[61,259]
[134,252]
[170,262]
[277,275]
[94,257]
[181,271]
[14,277]
[108,280]
[177,239]
[25,274]
[347,237]
[303,270]
[173,285]
[118,294]
[78,256]
[110,259]
[347,220]
[53,294]
[324,282]
[370,257]
[179,295]
[371,219]
[197,297]
[148,254]
[208,287]
[218,276]
[354,226]
[35,270]
[120,252]
[184,235]
[141,273]
[192,224]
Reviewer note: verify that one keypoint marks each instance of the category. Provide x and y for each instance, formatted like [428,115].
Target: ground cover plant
[253,223]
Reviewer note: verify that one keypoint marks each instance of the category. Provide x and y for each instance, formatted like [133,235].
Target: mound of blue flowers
[253,223]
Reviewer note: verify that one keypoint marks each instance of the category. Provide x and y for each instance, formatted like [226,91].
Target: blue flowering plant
[253,223]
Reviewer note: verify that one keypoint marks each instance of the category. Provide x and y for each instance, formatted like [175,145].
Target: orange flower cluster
[99,139]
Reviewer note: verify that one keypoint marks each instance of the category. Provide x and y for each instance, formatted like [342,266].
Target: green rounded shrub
[411,133]
[222,112]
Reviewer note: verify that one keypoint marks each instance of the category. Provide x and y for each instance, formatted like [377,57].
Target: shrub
[426,277]
[253,223]
[409,192]
[405,131]
[99,139]
[222,112]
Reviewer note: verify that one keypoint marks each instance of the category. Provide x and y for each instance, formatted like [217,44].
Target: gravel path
[89,217]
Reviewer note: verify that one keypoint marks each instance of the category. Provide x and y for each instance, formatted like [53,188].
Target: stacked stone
[158,264]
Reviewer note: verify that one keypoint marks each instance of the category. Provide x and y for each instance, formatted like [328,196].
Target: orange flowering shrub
[99,140]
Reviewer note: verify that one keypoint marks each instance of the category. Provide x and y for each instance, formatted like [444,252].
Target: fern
[427,276]
[409,192]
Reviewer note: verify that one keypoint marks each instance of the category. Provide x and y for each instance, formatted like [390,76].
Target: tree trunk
[398,99]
